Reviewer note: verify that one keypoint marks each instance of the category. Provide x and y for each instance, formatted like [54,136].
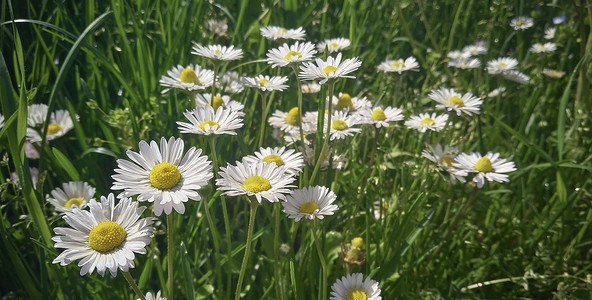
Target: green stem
[211,224]
[276,239]
[263,117]
[331,86]
[216,68]
[241,276]
[295,69]
[170,253]
[321,258]
[133,284]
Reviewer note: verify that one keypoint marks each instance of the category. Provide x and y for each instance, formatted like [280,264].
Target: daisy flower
[451,100]
[293,54]
[543,48]
[425,122]
[399,65]
[475,50]
[496,92]
[332,69]
[521,23]
[189,78]
[349,103]
[456,54]
[203,100]
[106,237]
[74,194]
[157,296]
[285,121]
[310,203]
[354,286]
[217,52]
[465,63]
[60,123]
[275,33]
[291,160]
[381,116]
[445,158]
[550,33]
[501,65]
[333,45]
[516,76]
[163,175]
[489,167]
[218,27]
[206,122]
[553,73]
[342,125]
[231,82]
[311,88]
[36,115]
[259,179]
[266,83]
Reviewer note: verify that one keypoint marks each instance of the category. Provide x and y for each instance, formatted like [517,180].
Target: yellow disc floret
[275,159]
[356,294]
[357,242]
[53,128]
[164,176]
[106,236]
[202,126]
[256,184]
[378,115]
[76,202]
[292,53]
[217,102]
[293,117]
[447,161]
[339,125]
[398,63]
[263,81]
[309,207]
[456,101]
[344,102]
[428,121]
[188,76]
[484,165]
[329,69]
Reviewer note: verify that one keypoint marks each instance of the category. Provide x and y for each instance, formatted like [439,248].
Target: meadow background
[102,60]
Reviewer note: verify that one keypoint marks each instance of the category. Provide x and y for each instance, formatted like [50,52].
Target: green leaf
[66,164]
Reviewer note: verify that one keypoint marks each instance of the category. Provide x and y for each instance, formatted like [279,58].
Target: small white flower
[465,63]
[517,77]
[559,20]
[501,65]
[189,78]
[553,73]
[60,123]
[425,122]
[381,116]
[203,100]
[205,121]
[217,52]
[266,83]
[399,65]
[489,167]
[451,100]
[277,33]
[354,286]
[496,92]
[456,54]
[285,121]
[521,23]
[231,82]
[349,103]
[311,88]
[293,54]
[333,68]
[543,48]
[342,125]
[550,33]
[333,45]
[291,160]
[74,194]
[157,296]
[445,158]
[36,115]
[475,49]
[310,203]
[218,27]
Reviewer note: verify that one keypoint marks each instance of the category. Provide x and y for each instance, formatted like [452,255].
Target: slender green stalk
[216,69]
[331,87]
[321,258]
[241,276]
[170,251]
[276,248]
[133,284]
[368,172]
[264,110]
[295,69]
[211,224]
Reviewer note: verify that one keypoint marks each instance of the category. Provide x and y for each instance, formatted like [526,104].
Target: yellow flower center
[217,102]
[309,207]
[333,45]
[329,69]
[397,64]
[356,294]
[73,202]
[456,101]
[281,30]
[164,176]
[428,121]
[293,53]
[202,126]
[256,184]
[275,159]
[385,206]
[53,128]
[484,165]
[106,236]
[344,102]
[357,242]
[339,125]
[447,161]
[188,76]
[378,115]
[501,64]
[216,52]
[263,81]
[520,23]
[293,118]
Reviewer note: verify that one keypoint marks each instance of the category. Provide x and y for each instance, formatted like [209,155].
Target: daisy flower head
[275,33]
[36,114]
[553,73]
[456,54]
[543,48]
[381,116]
[163,175]
[489,167]
[206,121]
[342,125]
[74,194]
[265,83]
[516,76]
[310,203]
[332,69]
[285,121]
[291,160]
[425,122]
[189,78]
[550,33]
[465,63]
[156,296]
[311,88]
[60,123]
[333,45]
[451,100]
[399,65]
[352,104]
[476,49]
[354,286]
[501,65]
[257,179]
[217,53]
[521,23]
[106,237]
[445,158]
[218,27]
[203,100]
[291,55]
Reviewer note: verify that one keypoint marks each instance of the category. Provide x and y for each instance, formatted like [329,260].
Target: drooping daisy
[516,76]
[501,65]
[425,122]
[218,27]
[217,52]
[489,167]
[333,45]
[311,88]
[381,116]
[451,100]
[354,286]
[310,203]
[291,160]
[206,122]
[456,54]
[465,63]
[258,179]
[74,194]
[163,175]
[203,100]
[189,78]
[285,121]
[550,33]
[106,237]
[157,296]
[265,83]
[475,49]
[496,92]
[553,73]
[342,125]
[36,115]
[275,33]
[293,54]
[332,69]
[399,65]
[543,48]
[349,103]
[521,23]
[445,158]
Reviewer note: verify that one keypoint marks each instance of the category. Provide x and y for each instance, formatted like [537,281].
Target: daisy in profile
[425,122]
[516,76]
[496,92]
[354,286]
[106,237]
[285,121]
[476,49]
[156,296]
[553,73]
[456,54]
[163,175]
[311,88]
[342,125]
[465,63]
[310,203]
[291,160]
[205,121]
[489,167]
[521,23]
[217,53]
[189,78]
[399,65]
[275,33]
[451,100]
[501,65]
[550,33]
[543,48]
[291,55]
[349,103]
[203,100]
[333,45]
[445,158]
[258,179]
[332,69]
[36,114]
[265,83]
[74,194]
[381,116]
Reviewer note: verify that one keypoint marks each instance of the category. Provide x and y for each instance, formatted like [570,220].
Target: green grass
[102,60]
